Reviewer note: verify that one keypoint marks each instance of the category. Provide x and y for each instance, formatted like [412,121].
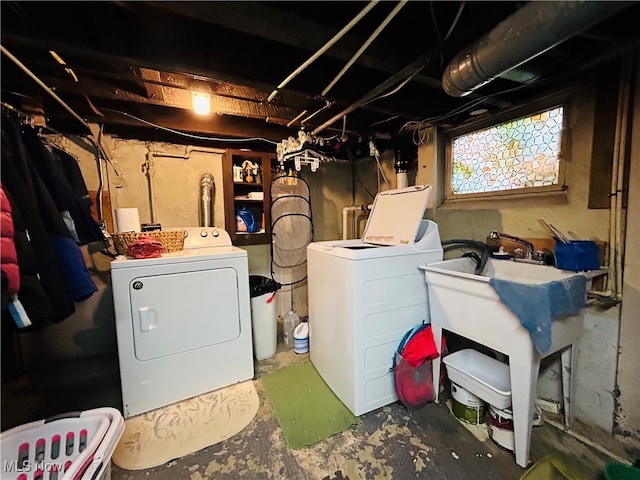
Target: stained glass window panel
[521,153]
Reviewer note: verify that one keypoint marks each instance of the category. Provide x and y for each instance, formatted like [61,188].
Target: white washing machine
[183,321]
[364,295]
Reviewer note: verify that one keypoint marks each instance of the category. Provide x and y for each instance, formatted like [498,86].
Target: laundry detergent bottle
[289,323]
[301,336]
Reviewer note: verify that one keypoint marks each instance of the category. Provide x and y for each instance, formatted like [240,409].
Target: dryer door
[179,312]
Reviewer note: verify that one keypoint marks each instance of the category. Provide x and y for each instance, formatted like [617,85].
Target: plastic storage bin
[577,255]
[481,375]
[70,446]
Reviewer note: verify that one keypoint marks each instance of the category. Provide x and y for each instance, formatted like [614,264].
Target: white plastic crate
[71,446]
[482,375]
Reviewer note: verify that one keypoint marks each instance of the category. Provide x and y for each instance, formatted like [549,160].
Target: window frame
[504,117]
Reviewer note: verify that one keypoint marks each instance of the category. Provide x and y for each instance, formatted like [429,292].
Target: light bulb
[201,103]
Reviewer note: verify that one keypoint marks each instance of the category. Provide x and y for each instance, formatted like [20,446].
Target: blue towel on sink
[537,305]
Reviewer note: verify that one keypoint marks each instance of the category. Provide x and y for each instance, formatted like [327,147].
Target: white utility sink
[506,270]
[465,303]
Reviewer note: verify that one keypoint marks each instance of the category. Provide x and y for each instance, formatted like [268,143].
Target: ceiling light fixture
[200,97]
[201,103]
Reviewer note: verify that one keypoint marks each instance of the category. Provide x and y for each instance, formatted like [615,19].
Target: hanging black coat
[41,218]
[49,166]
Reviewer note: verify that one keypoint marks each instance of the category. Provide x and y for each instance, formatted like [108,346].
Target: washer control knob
[203,233]
[215,233]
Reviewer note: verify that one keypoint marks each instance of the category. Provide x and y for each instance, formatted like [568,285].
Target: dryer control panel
[203,237]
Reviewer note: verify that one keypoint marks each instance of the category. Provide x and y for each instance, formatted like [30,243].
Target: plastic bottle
[289,324]
[301,337]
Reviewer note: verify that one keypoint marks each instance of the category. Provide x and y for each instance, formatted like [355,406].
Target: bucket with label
[466,406]
[501,427]
[301,337]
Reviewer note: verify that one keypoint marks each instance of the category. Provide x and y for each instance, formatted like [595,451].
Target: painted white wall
[175,181]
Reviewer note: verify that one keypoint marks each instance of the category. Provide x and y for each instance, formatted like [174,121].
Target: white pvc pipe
[620,219]
[326,47]
[402,180]
[345,217]
[364,46]
[45,87]
[616,228]
[149,169]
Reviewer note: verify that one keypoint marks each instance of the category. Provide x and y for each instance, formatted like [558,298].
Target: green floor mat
[306,408]
[551,467]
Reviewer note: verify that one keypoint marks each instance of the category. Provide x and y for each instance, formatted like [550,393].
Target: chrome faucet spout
[495,235]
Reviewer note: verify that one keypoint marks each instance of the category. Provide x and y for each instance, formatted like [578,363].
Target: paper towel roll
[127,220]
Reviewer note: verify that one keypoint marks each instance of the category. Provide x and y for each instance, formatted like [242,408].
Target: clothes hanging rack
[24,118]
[100,151]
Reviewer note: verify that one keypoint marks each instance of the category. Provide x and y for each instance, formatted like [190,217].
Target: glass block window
[518,154]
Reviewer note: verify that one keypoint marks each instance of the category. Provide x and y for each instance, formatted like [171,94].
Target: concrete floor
[388,443]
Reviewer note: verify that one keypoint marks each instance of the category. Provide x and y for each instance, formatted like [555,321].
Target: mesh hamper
[171,240]
[70,446]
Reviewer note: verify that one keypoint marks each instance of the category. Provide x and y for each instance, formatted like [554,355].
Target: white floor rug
[156,437]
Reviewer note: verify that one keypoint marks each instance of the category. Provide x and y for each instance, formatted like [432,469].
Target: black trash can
[263,315]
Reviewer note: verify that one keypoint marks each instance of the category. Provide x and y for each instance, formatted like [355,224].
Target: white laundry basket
[70,446]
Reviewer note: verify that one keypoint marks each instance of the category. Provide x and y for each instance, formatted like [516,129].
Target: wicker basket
[171,240]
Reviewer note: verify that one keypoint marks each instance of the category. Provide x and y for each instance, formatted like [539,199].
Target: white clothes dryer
[364,295]
[183,321]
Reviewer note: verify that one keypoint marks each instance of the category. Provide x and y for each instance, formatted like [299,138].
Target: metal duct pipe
[207,195]
[532,30]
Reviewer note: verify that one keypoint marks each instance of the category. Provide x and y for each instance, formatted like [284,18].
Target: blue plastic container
[577,255]
[246,221]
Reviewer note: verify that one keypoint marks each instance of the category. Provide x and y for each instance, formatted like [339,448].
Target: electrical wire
[420,62]
[190,135]
[395,90]
[380,122]
[455,21]
[353,166]
[437,30]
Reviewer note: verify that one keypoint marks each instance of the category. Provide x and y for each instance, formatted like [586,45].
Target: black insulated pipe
[532,30]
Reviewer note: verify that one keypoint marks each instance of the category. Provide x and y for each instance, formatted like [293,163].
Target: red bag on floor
[413,375]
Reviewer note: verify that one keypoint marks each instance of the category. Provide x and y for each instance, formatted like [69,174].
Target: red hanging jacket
[9,260]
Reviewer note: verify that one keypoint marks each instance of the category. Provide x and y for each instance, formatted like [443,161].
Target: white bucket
[466,406]
[264,324]
[501,427]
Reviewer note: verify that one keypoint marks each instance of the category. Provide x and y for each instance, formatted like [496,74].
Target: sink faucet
[495,235]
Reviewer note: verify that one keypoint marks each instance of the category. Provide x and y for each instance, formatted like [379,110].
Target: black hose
[481,246]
